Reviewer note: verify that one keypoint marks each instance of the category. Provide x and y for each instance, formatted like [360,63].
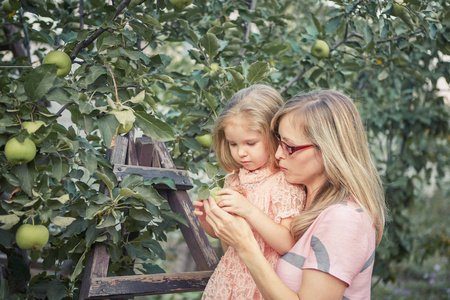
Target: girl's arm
[237,233]
[276,235]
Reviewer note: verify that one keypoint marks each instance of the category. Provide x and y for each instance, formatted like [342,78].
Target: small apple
[32,127]
[320,49]
[7,6]
[61,60]
[181,3]
[397,8]
[213,191]
[126,119]
[205,140]
[20,152]
[32,236]
[215,67]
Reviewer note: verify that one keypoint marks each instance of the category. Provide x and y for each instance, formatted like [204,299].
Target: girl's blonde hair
[332,122]
[256,105]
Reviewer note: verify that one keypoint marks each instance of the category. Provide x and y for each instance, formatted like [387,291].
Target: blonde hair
[256,105]
[332,122]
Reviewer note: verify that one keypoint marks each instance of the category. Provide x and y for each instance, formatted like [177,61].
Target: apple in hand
[32,236]
[205,140]
[181,3]
[61,60]
[320,49]
[213,192]
[20,152]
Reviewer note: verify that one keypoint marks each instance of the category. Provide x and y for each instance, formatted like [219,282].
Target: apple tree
[166,69]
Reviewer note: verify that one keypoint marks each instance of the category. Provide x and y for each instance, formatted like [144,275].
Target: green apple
[320,49]
[181,3]
[126,119]
[61,60]
[215,67]
[397,8]
[32,126]
[7,6]
[32,236]
[124,128]
[20,152]
[205,140]
[213,191]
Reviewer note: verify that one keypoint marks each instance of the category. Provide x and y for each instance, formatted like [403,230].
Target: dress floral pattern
[278,199]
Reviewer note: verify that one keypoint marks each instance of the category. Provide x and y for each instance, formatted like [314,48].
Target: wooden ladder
[151,159]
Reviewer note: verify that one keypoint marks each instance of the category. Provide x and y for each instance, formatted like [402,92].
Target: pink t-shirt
[340,242]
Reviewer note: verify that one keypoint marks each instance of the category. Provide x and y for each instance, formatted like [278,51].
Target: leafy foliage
[160,62]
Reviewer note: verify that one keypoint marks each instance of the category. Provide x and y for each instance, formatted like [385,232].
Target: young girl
[256,191]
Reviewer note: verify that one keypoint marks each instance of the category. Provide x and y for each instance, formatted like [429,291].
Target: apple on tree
[320,49]
[20,152]
[31,127]
[181,3]
[126,119]
[205,140]
[33,237]
[61,60]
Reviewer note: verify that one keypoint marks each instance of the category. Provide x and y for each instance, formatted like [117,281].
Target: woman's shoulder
[346,212]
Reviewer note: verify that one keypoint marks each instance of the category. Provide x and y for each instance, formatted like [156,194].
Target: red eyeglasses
[291,149]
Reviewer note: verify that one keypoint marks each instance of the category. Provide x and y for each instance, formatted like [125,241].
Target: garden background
[170,69]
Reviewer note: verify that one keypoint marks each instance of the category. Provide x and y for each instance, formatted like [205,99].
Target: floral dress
[278,199]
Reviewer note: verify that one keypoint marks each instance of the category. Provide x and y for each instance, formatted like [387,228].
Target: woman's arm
[236,232]
[276,235]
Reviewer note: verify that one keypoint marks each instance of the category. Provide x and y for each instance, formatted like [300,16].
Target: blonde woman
[322,145]
[245,145]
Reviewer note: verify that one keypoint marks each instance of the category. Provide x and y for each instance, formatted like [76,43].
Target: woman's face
[303,166]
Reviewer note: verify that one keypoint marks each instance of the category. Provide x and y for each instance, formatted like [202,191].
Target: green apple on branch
[181,3]
[205,140]
[126,119]
[32,237]
[31,127]
[320,49]
[213,192]
[17,152]
[61,60]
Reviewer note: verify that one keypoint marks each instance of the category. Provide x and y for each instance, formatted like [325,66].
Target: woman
[323,146]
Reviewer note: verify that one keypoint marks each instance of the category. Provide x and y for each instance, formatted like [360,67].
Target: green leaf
[209,100]
[26,175]
[139,98]
[211,170]
[106,180]
[149,194]
[63,221]
[56,290]
[153,127]
[333,24]
[203,192]
[40,81]
[163,78]
[9,221]
[211,44]
[78,267]
[149,20]
[108,125]
[238,81]
[257,71]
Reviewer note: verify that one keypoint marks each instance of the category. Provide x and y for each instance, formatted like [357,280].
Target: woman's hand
[232,201]
[199,209]
[233,230]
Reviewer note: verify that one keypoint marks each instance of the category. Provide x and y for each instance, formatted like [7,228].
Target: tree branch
[97,32]
[297,77]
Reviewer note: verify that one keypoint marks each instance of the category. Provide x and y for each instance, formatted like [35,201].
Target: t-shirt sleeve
[341,242]
[287,199]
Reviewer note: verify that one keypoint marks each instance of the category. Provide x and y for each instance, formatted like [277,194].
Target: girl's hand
[234,202]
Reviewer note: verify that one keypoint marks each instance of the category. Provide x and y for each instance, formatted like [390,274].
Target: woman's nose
[280,153]
[242,152]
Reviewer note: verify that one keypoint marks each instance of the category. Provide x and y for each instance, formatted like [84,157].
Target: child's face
[247,147]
